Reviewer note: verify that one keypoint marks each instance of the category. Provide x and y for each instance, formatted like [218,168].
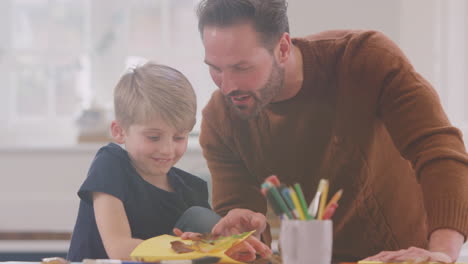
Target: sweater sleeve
[233,185]
[413,115]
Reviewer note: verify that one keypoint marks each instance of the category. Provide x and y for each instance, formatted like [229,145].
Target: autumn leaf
[181,247]
[208,243]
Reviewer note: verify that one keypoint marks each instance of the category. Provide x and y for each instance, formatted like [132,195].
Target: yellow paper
[159,248]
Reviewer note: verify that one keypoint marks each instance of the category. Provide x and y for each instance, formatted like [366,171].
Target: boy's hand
[187,235]
[244,251]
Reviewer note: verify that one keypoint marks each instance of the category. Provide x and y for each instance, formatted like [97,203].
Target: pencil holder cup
[306,242]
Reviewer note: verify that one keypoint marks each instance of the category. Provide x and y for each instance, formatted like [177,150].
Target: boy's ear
[118,132]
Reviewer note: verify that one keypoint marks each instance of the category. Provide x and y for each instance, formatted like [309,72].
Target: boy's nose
[166,147]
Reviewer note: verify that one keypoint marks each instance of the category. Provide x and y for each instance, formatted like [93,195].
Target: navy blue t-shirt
[151,211]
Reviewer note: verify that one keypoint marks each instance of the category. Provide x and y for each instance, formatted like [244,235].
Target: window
[451,65]
[62,56]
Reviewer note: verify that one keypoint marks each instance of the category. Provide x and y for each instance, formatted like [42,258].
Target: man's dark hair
[268,17]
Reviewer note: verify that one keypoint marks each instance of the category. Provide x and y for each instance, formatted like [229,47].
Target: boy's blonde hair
[155,90]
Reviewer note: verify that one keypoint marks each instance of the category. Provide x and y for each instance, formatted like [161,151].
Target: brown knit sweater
[365,120]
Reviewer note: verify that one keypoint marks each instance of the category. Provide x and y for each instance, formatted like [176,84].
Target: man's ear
[118,133]
[283,48]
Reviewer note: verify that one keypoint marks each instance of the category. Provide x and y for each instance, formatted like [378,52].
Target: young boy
[135,194]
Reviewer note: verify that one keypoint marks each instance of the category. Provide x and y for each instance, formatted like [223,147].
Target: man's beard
[271,88]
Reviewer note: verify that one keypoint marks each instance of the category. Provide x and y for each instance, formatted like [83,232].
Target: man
[346,106]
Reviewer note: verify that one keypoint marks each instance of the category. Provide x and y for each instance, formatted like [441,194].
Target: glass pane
[31,83]
[146,30]
[5,65]
[5,94]
[466,82]
[184,25]
[67,23]
[29,23]
[48,25]
[65,83]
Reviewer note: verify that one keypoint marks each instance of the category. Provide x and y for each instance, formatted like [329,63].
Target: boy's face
[153,147]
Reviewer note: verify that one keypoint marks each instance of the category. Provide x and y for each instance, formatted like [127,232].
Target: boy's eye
[153,138]
[179,138]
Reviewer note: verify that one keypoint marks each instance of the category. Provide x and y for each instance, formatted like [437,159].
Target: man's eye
[216,69]
[241,69]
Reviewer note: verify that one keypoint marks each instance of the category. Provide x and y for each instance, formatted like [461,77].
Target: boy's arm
[113,226]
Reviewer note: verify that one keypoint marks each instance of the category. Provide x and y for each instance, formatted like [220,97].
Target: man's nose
[227,84]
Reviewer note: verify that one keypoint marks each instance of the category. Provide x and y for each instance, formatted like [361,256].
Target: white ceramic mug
[306,242]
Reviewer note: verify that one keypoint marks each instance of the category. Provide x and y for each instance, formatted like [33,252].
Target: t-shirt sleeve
[107,175]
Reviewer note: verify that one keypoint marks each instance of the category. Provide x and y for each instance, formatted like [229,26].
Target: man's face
[244,70]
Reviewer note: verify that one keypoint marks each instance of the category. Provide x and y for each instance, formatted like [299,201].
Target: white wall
[311,16]
[39,187]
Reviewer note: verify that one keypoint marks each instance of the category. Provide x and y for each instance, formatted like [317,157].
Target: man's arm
[413,115]
[233,185]
[447,241]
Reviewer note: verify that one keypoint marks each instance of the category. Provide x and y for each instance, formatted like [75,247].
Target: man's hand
[240,220]
[246,250]
[413,254]
[444,246]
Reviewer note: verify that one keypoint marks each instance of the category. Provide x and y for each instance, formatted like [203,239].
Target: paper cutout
[159,248]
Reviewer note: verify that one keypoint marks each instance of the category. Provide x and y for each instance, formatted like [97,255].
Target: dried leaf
[181,247]
[207,243]
[209,238]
